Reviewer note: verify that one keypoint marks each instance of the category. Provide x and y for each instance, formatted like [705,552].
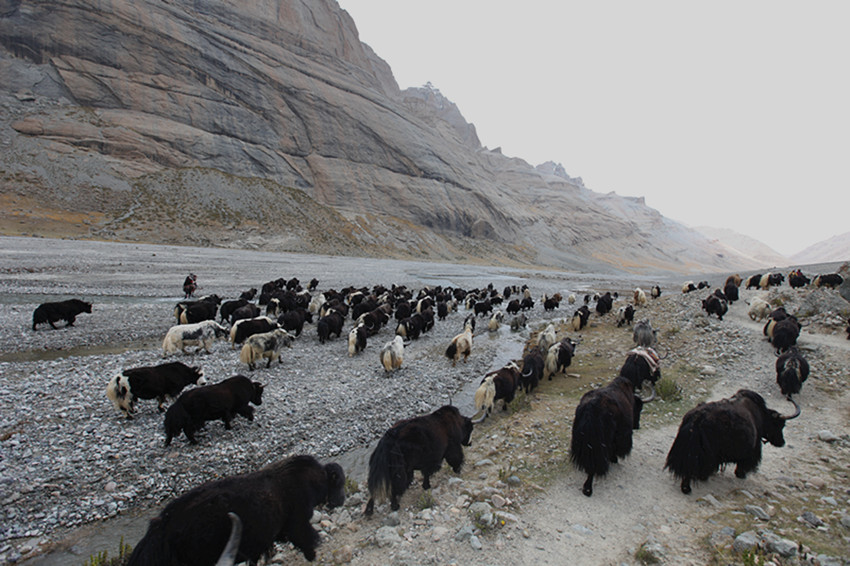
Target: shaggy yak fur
[222,401]
[151,382]
[418,443]
[500,384]
[266,345]
[726,431]
[63,310]
[792,369]
[605,417]
[275,504]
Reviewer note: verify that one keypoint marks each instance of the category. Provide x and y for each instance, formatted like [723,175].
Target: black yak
[418,443]
[783,333]
[274,504]
[715,305]
[604,304]
[151,382]
[560,356]
[533,364]
[727,431]
[796,279]
[605,417]
[792,369]
[330,324]
[62,310]
[500,384]
[580,318]
[222,401]
[831,280]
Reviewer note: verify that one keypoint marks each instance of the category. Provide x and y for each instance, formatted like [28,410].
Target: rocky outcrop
[95,105]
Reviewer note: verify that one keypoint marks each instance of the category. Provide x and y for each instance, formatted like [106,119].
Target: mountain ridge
[215,99]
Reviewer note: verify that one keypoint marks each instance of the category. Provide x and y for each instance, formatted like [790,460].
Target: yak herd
[239,518]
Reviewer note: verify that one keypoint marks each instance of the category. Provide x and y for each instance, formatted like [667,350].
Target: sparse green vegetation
[103,559]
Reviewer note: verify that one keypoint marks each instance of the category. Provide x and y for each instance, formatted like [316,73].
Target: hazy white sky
[728,114]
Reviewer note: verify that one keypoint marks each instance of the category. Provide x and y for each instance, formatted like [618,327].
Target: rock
[391,520]
[498,501]
[343,554]
[746,542]
[828,436]
[845,520]
[710,499]
[757,511]
[387,536]
[651,552]
[782,546]
[438,533]
[475,543]
[810,519]
[513,481]
[464,533]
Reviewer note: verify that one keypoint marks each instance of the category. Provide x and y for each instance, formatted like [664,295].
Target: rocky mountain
[759,253]
[270,125]
[836,248]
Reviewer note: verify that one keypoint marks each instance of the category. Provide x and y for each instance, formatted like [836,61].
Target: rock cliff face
[269,124]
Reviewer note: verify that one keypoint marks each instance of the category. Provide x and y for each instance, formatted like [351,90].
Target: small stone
[438,533]
[110,486]
[708,370]
[757,511]
[781,546]
[652,552]
[582,530]
[514,481]
[498,501]
[392,520]
[475,542]
[710,499]
[343,554]
[811,519]
[464,533]
[828,436]
[387,536]
[745,541]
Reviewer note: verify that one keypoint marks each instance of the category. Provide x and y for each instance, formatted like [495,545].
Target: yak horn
[666,353]
[797,408]
[481,420]
[228,555]
[651,394]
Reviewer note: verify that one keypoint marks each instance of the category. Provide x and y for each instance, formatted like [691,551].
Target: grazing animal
[643,334]
[625,315]
[246,311]
[418,443]
[715,305]
[249,294]
[753,281]
[329,325]
[151,382]
[640,297]
[551,303]
[526,304]
[519,322]
[500,384]
[547,338]
[513,306]
[200,334]
[580,318]
[495,321]
[769,280]
[461,344]
[734,280]
[357,340]
[784,333]
[204,309]
[759,309]
[222,401]
[688,286]
[604,304]
[559,356]
[796,279]
[572,299]
[274,504]
[655,292]
[392,354]
[62,310]
[730,291]
[293,320]
[266,345]
[483,307]
[792,369]
[605,417]
[726,431]
[227,308]
[533,364]
[831,280]
[247,327]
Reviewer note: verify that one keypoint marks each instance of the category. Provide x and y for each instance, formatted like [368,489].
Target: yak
[580,318]
[200,334]
[831,280]
[392,354]
[753,281]
[796,279]
[418,443]
[329,324]
[266,345]
[725,431]
[783,333]
[605,417]
[560,356]
[222,401]
[62,310]
[533,364]
[151,382]
[625,315]
[461,345]
[643,334]
[500,384]
[715,305]
[274,504]
[604,304]
[792,369]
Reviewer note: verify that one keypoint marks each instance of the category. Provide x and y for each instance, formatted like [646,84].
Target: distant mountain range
[272,126]
[835,249]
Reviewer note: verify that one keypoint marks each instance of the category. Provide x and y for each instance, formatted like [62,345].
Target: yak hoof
[686,488]
[370,508]
[587,488]
[394,505]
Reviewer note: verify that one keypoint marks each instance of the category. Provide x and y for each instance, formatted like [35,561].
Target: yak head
[336,485]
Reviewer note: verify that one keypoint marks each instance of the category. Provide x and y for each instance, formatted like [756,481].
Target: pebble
[757,511]
[828,436]
[746,541]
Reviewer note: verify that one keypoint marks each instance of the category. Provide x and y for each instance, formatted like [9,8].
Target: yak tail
[485,395]
[153,549]
[692,454]
[387,359]
[117,393]
[387,470]
[246,355]
[593,437]
[451,351]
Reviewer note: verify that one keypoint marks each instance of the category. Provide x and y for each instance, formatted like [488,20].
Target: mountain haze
[270,125]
